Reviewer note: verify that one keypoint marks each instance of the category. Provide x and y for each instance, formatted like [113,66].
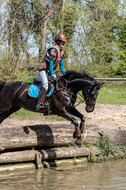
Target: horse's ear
[101,84]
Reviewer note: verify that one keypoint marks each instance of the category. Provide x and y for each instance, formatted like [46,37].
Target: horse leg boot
[78,135]
[41,99]
[82,124]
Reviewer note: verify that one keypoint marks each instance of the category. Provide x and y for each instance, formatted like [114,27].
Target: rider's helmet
[60,37]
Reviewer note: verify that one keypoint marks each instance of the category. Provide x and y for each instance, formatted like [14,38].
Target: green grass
[109,150]
[114,93]
[25,114]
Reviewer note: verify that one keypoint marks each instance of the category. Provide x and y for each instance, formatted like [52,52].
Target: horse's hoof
[78,142]
[74,135]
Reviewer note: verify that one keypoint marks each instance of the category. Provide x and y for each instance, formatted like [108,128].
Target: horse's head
[90,95]
[85,83]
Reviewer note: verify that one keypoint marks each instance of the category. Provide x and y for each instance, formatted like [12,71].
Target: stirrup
[40,106]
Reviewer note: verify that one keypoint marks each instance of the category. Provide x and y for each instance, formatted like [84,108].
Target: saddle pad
[34,91]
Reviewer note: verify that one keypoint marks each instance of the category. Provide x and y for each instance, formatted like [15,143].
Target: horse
[14,96]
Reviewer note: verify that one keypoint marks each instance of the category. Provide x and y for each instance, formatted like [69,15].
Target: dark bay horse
[14,96]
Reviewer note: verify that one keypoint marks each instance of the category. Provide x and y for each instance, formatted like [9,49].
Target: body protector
[53,53]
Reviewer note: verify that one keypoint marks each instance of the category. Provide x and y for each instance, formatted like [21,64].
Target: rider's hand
[54,77]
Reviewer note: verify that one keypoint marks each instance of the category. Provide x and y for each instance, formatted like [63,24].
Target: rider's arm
[52,58]
[62,67]
[51,67]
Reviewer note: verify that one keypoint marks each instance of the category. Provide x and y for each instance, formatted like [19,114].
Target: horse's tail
[2,85]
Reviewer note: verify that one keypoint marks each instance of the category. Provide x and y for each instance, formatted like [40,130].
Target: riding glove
[54,77]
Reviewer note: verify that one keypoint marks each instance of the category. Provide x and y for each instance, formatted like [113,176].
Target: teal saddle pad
[34,91]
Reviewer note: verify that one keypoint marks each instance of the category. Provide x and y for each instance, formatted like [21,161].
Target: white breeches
[44,79]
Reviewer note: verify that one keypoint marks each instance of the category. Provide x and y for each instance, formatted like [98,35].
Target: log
[35,136]
[66,163]
[94,133]
[118,135]
[40,136]
[18,167]
[46,154]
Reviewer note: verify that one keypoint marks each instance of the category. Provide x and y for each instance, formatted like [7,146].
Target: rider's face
[62,44]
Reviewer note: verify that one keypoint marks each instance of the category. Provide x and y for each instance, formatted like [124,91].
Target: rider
[53,57]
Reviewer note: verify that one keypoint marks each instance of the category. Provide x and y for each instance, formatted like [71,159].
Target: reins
[80,97]
[66,94]
[81,100]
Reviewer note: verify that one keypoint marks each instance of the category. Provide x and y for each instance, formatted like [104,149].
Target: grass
[113,93]
[109,150]
[25,114]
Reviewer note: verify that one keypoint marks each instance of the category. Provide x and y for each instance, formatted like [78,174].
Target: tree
[64,20]
[95,40]
[95,32]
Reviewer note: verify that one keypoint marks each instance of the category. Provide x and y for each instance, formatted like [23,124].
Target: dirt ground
[105,116]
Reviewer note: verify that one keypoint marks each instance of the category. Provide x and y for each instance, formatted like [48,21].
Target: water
[94,176]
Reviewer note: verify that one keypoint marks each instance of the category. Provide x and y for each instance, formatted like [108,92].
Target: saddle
[35,88]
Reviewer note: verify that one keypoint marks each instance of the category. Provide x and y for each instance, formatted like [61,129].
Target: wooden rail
[111,79]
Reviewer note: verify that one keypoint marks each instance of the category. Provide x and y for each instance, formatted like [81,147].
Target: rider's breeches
[44,79]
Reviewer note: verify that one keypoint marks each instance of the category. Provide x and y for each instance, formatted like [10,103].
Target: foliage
[109,150]
[106,146]
[97,34]
[95,30]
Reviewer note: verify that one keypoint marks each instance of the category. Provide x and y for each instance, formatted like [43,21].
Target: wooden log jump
[41,143]
[35,136]
[46,154]
[40,136]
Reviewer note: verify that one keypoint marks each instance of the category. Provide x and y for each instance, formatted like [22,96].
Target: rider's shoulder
[53,52]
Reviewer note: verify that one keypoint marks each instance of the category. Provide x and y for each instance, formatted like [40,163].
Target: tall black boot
[41,99]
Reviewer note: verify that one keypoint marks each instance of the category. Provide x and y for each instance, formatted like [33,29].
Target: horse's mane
[2,85]
[70,75]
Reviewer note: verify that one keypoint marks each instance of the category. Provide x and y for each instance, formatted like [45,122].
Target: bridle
[81,98]
[88,98]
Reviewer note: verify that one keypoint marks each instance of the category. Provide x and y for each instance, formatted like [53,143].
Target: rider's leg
[44,80]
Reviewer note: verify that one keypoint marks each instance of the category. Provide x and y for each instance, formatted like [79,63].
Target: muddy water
[98,176]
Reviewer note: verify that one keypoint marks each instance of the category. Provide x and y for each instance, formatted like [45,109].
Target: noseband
[88,98]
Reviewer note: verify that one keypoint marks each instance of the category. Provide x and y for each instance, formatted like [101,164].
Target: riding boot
[41,98]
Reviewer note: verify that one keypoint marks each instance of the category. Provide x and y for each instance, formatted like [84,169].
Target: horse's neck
[79,84]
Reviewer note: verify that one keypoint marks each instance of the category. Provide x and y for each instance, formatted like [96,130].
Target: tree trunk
[46,154]
[35,136]
[42,41]
[42,135]
[62,16]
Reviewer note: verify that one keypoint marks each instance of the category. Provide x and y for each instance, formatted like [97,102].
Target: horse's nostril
[89,109]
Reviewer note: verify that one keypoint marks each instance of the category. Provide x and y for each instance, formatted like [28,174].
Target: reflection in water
[95,176]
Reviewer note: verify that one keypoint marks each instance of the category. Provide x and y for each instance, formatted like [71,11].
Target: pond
[109,175]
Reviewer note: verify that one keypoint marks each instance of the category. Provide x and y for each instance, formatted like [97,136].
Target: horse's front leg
[67,116]
[76,113]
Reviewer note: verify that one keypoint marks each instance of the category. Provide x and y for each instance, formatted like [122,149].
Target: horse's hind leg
[6,114]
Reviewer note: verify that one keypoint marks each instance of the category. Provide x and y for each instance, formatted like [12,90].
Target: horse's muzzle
[89,108]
